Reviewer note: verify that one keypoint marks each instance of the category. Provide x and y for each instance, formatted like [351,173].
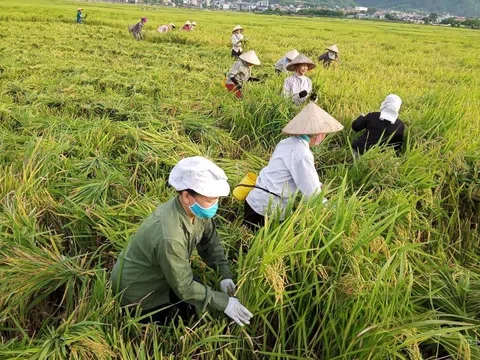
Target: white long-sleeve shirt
[294,84]
[237,42]
[290,168]
[240,71]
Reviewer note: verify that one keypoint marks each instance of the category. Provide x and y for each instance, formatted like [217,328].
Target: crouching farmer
[154,273]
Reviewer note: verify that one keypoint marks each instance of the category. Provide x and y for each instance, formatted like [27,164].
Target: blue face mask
[204,213]
[305,137]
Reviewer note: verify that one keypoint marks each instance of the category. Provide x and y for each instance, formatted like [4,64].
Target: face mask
[331,55]
[305,137]
[204,213]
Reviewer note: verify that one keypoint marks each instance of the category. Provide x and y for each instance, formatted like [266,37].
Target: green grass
[91,123]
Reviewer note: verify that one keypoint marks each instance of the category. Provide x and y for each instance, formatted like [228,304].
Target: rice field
[92,121]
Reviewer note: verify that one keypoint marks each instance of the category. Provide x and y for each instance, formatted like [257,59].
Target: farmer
[80,16]
[291,166]
[331,56]
[154,271]
[241,72]
[382,128]
[237,39]
[298,86]
[281,65]
[166,28]
[136,29]
[194,24]
[187,26]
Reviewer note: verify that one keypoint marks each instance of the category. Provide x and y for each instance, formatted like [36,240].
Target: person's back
[377,131]
[279,176]
[140,275]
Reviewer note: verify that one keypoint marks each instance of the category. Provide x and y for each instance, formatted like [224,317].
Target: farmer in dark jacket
[382,128]
[136,29]
[331,56]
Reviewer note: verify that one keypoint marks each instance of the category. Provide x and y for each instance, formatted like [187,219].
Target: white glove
[227,286]
[236,311]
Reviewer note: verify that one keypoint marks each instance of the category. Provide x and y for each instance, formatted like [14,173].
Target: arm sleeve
[287,89]
[172,256]
[398,135]
[305,176]
[210,248]
[233,72]
[360,123]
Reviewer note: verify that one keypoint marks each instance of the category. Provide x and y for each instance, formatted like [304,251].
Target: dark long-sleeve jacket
[376,131]
[326,60]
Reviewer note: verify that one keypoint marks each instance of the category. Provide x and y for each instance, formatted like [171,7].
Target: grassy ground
[91,123]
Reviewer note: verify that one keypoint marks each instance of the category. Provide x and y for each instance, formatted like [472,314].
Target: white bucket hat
[301,59]
[292,54]
[333,48]
[312,120]
[390,108]
[200,175]
[188,22]
[250,57]
[238,27]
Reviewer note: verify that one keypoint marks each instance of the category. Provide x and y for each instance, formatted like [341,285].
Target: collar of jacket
[183,215]
[299,76]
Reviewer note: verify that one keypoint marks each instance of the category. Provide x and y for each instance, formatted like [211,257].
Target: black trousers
[172,311]
[251,219]
[236,54]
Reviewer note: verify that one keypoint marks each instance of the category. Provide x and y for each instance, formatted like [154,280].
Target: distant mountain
[456,7]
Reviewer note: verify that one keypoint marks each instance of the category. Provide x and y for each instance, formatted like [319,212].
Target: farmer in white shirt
[291,167]
[281,65]
[298,86]
[237,39]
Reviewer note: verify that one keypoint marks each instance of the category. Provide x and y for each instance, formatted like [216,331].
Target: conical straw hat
[301,59]
[333,48]
[238,27]
[292,54]
[312,120]
[172,24]
[188,22]
[194,23]
[250,57]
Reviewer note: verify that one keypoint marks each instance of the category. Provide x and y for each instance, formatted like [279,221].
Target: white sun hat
[238,27]
[250,57]
[312,120]
[390,108]
[301,59]
[333,48]
[292,54]
[188,22]
[200,175]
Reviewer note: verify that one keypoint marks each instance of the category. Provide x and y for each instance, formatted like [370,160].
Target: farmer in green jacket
[80,16]
[154,273]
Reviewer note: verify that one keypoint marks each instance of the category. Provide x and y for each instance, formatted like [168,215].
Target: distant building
[361,9]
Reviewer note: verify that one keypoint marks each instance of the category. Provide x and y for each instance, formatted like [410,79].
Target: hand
[228,286]
[237,312]
[313,97]
[303,93]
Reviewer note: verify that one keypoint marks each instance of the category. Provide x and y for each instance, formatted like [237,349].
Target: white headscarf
[390,108]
